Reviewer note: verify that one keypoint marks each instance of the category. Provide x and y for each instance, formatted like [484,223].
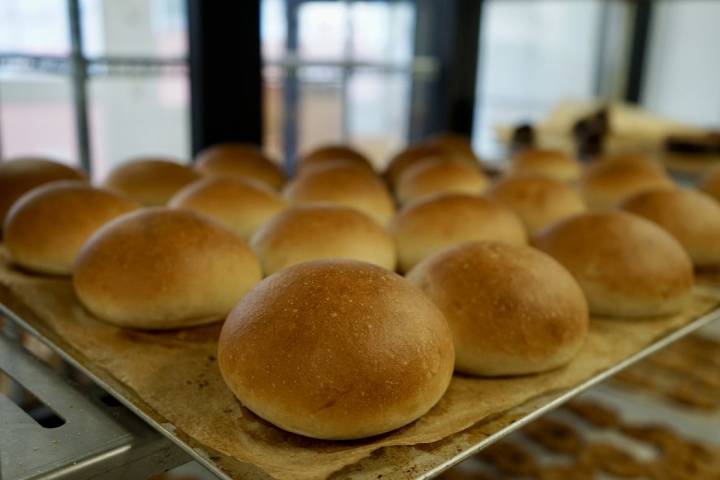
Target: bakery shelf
[424,462]
[88,439]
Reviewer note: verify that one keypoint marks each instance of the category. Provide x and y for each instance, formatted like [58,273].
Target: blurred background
[96,82]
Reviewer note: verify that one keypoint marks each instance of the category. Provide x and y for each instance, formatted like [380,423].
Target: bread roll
[46,227]
[311,232]
[439,221]
[334,153]
[21,175]
[240,204]
[538,201]
[337,350]
[690,216]
[343,185]
[239,160]
[150,181]
[437,175]
[162,268]
[553,164]
[512,309]
[410,156]
[710,183]
[626,265]
[608,182]
[460,146]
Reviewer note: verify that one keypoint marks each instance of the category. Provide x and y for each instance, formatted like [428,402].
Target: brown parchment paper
[174,376]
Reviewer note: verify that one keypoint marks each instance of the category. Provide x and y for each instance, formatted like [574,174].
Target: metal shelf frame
[550,403]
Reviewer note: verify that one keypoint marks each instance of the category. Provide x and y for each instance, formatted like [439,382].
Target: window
[134,81]
[533,55]
[343,74]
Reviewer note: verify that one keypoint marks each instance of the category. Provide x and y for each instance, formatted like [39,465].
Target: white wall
[682,79]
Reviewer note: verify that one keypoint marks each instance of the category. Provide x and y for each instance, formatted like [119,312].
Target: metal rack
[94,437]
[131,444]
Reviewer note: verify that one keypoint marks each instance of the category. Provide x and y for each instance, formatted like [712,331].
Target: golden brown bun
[553,164]
[626,265]
[239,160]
[538,201]
[336,349]
[313,232]
[334,153]
[512,309]
[710,183]
[444,220]
[23,174]
[346,185]
[163,268]
[240,204]
[690,216]
[150,181]
[437,149]
[436,175]
[46,227]
[608,182]
[459,145]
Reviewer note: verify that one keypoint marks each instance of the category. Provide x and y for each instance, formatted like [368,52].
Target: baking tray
[418,461]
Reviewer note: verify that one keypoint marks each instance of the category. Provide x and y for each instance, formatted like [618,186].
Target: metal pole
[79,78]
[291,90]
[639,51]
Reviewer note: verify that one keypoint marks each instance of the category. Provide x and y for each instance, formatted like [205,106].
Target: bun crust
[442,146]
[239,160]
[334,153]
[608,182]
[345,185]
[312,232]
[47,226]
[240,204]
[439,221]
[538,201]
[162,268]
[336,349]
[692,217]
[512,309]
[150,181]
[21,175]
[436,176]
[553,164]
[626,265]
[710,183]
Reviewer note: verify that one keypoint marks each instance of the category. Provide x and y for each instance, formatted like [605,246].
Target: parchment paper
[175,377]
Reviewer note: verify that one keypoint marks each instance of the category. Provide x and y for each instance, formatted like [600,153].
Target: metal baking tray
[453,450]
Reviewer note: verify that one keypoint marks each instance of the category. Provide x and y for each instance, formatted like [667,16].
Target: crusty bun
[162,268]
[435,175]
[439,221]
[346,185]
[710,183]
[150,181]
[626,265]
[239,160]
[21,175]
[46,227]
[607,182]
[553,164]
[690,216]
[241,204]
[410,156]
[538,201]
[336,349]
[312,232]
[460,146]
[512,309]
[334,153]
